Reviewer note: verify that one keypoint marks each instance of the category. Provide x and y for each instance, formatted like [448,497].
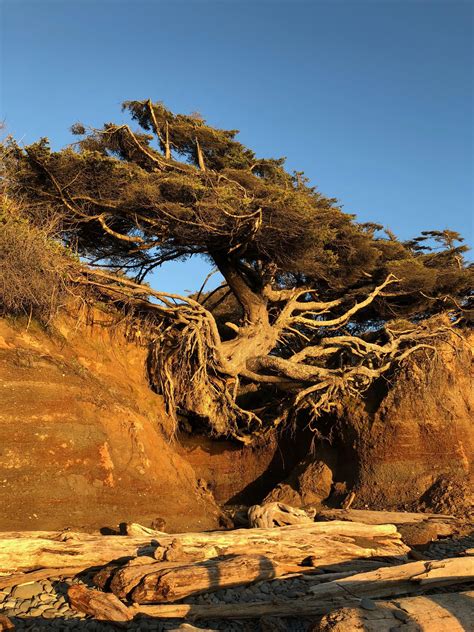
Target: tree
[318,305]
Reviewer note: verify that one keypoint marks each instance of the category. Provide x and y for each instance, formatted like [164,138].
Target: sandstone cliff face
[85,443]
[419,429]
[83,439]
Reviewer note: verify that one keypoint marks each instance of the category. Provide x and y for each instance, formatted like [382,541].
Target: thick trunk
[251,341]
[255,336]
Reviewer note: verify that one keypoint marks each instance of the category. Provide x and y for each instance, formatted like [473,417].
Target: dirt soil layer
[83,440]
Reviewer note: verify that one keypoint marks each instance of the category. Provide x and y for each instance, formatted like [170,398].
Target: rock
[272,624]
[309,483]
[401,615]
[418,535]
[367,604]
[27,591]
[315,483]
[284,493]
[36,611]
[44,597]
[23,607]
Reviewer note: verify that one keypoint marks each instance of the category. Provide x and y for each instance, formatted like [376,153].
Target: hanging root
[199,377]
[184,367]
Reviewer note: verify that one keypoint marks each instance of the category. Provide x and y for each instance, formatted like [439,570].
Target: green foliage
[180,187]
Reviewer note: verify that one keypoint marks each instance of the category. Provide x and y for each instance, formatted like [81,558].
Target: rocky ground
[43,606]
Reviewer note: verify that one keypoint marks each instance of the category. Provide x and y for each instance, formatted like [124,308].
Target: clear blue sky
[373,99]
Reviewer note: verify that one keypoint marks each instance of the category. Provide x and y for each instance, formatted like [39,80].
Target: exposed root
[201,376]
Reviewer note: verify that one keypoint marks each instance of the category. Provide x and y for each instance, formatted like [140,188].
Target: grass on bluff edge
[33,265]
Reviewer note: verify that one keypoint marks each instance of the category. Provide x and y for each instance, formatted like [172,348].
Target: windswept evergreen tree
[313,304]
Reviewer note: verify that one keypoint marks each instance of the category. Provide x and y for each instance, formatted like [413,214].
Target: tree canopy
[318,304]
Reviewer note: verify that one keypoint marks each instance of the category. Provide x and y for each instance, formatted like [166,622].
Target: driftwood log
[278,515]
[55,550]
[328,542]
[406,579]
[191,566]
[102,606]
[447,612]
[168,585]
[367,516]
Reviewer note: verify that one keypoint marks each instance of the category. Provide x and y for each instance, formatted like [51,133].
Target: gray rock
[401,615]
[27,591]
[367,604]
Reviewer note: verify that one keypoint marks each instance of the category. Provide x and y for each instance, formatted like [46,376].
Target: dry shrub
[32,265]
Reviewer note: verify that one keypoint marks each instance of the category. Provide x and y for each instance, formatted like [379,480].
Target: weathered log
[362,565]
[169,581]
[453,612]
[172,584]
[367,516]
[104,575]
[102,606]
[406,579]
[25,552]
[331,542]
[138,530]
[278,515]
[166,581]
